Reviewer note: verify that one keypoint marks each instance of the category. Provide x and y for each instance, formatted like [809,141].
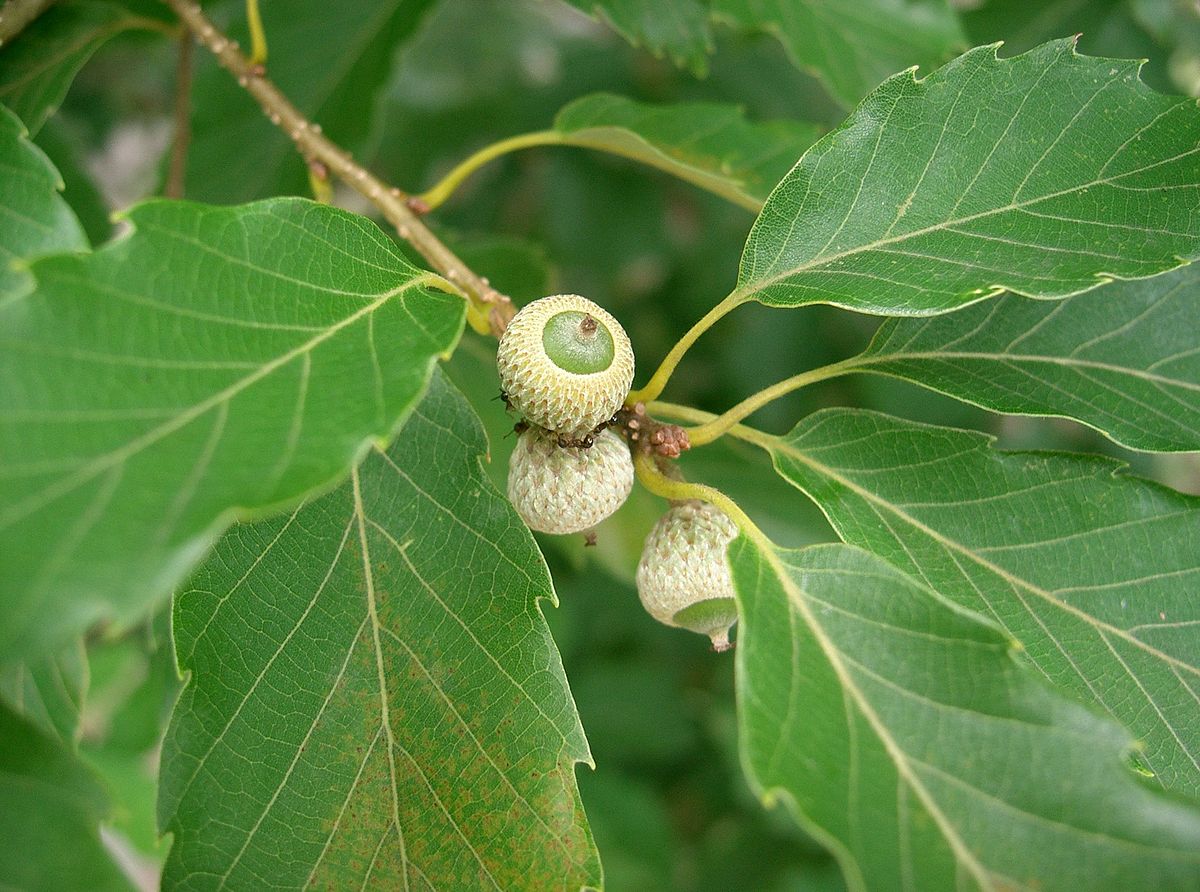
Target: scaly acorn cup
[683,578]
[563,489]
[565,364]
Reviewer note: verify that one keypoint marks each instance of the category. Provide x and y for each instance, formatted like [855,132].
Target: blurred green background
[667,802]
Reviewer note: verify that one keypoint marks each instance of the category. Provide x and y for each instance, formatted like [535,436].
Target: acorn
[565,364]
[564,489]
[683,578]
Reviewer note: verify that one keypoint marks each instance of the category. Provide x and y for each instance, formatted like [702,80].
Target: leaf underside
[678,29]
[375,698]
[1046,174]
[1123,359]
[215,361]
[1093,572]
[902,732]
[709,144]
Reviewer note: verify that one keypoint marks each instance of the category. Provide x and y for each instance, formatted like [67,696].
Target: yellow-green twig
[446,187]
[258,37]
[658,381]
[318,183]
[660,484]
[721,424]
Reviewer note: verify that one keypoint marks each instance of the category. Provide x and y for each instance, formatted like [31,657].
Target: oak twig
[392,203]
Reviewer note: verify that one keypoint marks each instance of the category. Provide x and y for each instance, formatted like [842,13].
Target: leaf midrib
[1017,358]
[384,707]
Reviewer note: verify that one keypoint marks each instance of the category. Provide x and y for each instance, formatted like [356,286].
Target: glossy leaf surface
[1046,174]
[678,29]
[1124,360]
[711,145]
[37,69]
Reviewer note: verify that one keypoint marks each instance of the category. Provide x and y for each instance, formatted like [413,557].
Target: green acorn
[683,578]
[565,364]
[562,489]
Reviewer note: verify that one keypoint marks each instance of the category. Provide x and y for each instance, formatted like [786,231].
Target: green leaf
[1093,572]
[375,698]
[677,28]
[37,69]
[1123,360]
[37,220]
[852,45]
[708,144]
[956,768]
[50,809]
[1046,174]
[49,691]
[330,60]
[216,363]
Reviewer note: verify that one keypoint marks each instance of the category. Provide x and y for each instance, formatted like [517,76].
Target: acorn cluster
[566,365]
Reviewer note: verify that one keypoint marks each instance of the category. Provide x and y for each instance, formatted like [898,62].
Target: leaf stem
[651,477]
[258,37]
[444,188]
[441,191]
[658,381]
[318,183]
[721,424]
[314,146]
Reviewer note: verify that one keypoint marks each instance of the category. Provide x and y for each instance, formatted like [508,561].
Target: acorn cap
[683,578]
[561,490]
[565,364]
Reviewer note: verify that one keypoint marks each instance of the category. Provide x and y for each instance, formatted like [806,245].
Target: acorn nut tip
[564,490]
[683,578]
[565,364]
